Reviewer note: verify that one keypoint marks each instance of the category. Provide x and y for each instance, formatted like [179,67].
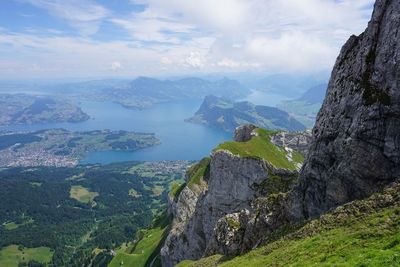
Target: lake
[179,140]
[265,99]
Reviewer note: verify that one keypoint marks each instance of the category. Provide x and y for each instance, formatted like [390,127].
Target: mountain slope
[29,109]
[227,115]
[356,147]
[361,233]
[354,153]
[306,107]
[236,175]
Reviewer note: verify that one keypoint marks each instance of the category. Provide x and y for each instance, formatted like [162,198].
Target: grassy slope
[142,252]
[196,172]
[261,147]
[10,256]
[362,233]
[146,249]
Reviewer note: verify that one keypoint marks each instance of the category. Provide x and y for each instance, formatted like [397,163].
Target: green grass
[196,172]
[82,194]
[13,225]
[176,189]
[11,256]
[261,147]
[362,233]
[142,251]
[134,193]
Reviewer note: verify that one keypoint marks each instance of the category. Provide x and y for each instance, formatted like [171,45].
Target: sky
[129,38]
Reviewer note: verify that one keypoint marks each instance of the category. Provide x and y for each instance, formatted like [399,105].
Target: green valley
[73,216]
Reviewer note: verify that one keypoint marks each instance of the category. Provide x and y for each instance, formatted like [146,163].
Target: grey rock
[244,133]
[356,140]
[354,152]
[233,184]
[299,141]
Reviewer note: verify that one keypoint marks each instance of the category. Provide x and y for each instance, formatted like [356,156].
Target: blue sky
[128,38]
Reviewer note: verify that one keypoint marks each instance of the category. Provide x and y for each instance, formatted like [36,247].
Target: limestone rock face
[299,141]
[356,140]
[233,184]
[354,152]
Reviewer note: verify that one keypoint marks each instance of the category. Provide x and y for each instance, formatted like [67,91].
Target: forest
[81,213]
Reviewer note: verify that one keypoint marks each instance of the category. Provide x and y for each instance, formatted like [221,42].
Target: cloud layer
[179,37]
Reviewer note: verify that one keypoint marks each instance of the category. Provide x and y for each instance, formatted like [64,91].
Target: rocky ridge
[354,152]
[229,184]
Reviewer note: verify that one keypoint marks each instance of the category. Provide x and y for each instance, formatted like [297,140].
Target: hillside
[256,164]
[306,107]
[361,233]
[225,114]
[29,109]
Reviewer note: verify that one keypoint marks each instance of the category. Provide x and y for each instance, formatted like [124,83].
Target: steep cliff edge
[356,140]
[359,233]
[237,174]
[354,152]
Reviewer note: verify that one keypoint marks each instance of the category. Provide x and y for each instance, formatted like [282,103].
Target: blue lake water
[179,140]
[265,99]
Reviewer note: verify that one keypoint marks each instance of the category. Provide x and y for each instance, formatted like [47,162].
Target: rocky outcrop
[244,133]
[233,184]
[299,141]
[354,152]
[355,147]
[356,139]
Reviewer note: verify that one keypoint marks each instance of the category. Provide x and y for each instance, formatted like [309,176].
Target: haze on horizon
[127,38]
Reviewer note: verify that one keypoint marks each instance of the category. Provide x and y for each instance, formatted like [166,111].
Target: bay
[179,140]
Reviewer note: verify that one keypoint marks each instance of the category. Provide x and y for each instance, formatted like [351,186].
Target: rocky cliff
[220,188]
[354,152]
[356,139]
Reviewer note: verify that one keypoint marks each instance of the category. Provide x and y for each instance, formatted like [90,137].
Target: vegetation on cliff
[360,233]
[260,146]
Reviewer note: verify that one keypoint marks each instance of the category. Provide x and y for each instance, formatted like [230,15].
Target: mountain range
[143,92]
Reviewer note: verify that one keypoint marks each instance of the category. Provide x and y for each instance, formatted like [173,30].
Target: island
[62,148]
[225,114]
[30,109]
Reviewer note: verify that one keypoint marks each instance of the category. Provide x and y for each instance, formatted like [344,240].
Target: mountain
[28,109]
[356,147]
[314,95]
[144,91]
[252,196]
[306,107]
[286,84]
[227,115]
[229,181]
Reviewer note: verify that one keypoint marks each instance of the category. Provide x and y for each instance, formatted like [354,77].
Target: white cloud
[166,61]
[284,34]
[226,62]
[116,65]
[85,15]
[196,35]
[195,60]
